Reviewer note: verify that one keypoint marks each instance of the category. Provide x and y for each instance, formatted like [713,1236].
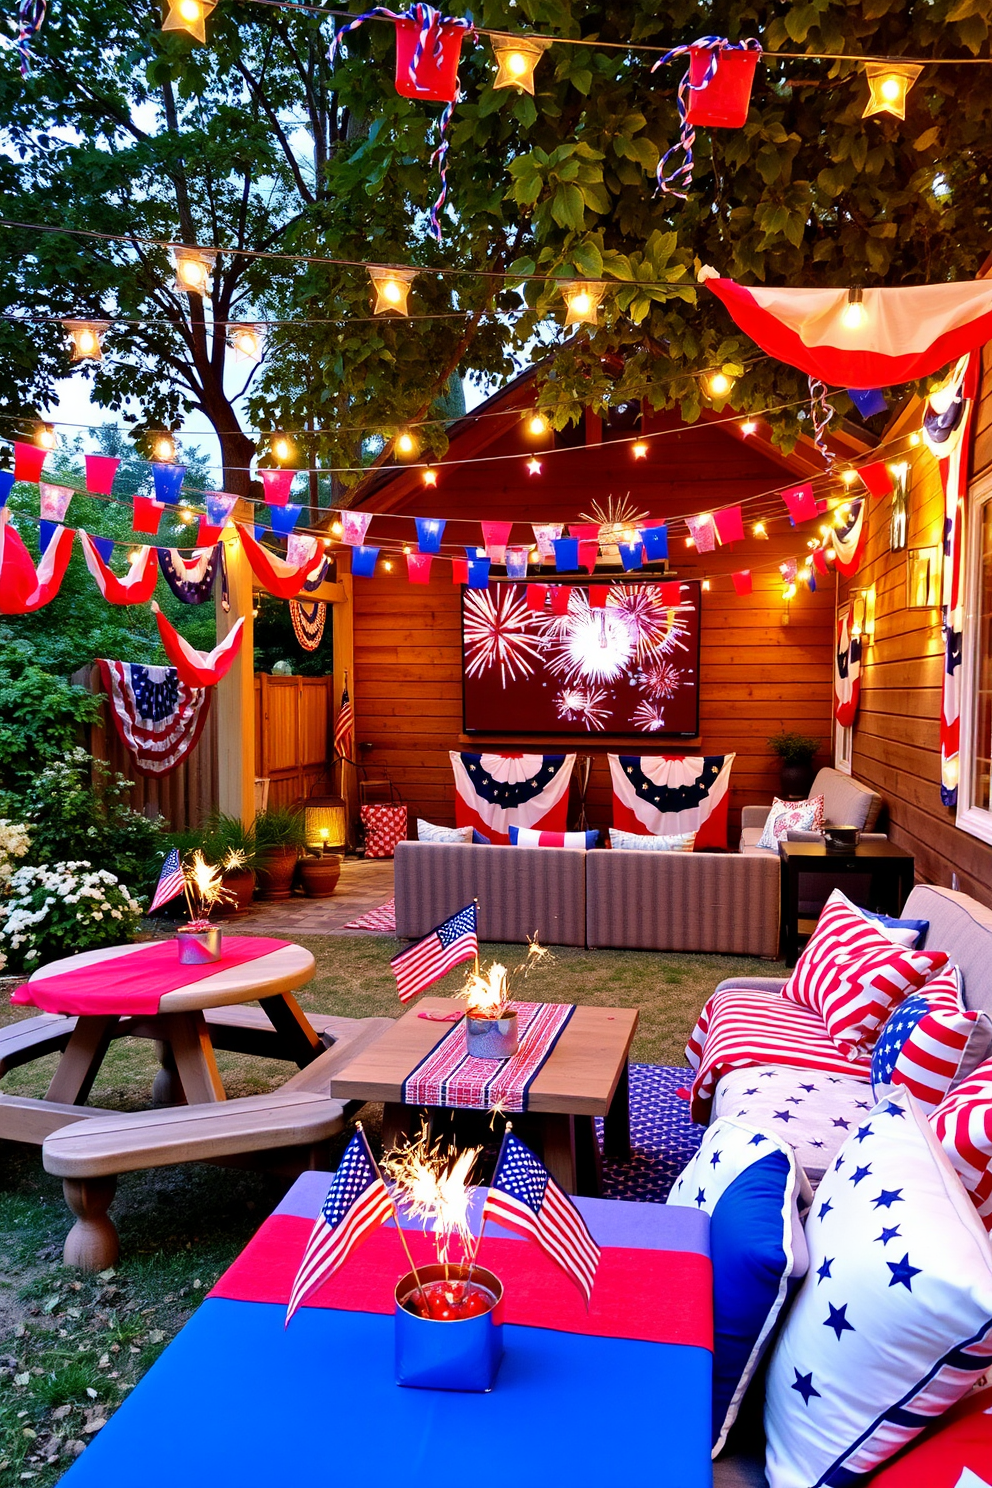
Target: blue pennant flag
[104,546]
[46,531]
[867,401]
[284,518]
[363,561]
[168,480]
[260,531]
[6,481]
[655,542]
[566,553]
[630,555]
[430,530]
[478,573]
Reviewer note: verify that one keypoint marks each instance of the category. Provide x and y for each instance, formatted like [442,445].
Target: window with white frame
[843,747]
[974,812]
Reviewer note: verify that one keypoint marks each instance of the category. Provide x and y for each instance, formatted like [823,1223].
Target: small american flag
[524,1197]
[357,1202]
[172,881]
[447,945]
[344,728]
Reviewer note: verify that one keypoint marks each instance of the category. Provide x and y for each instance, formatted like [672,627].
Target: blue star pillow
[749,1183]
[893,1322]
[930,1042]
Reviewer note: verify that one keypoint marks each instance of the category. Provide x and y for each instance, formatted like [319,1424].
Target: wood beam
[235,700]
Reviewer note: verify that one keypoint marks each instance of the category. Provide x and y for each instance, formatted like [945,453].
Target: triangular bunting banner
[277,485]
[800,503]
[54,501]
[418,567]
[285,518]
[430,530]
[495,536]
[100,472]
[168,482]
[300,548]
[219,507]
[729,525]
[363,561]
[28,461]
[742,581]
[545,534]
[146,515]
[702,532]
[354,525]
[876,478]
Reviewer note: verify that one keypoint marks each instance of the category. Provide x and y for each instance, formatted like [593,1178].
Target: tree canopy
[256,145]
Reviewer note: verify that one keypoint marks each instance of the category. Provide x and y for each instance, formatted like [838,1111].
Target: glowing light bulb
[406,547]
[705,584]
[134,555]
[336,529]
[789,592]
[719,385]
[824,530]
[190,10]
[517,64]
[430,477]
[388,566]
[46,438]
[847,476]
[533,466]
[281,447]
[639,450]
[759,530]
[690,542]
[185,515]
[165,448]
[854,313]
[537,425]
[193,273]
[404,444]
[914,439]
[582,303]
[88,343]
[890,89]
[392,292]
[748,427]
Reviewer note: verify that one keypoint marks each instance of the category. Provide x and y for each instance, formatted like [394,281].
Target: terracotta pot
[319,876]
[242,886]
[274,872]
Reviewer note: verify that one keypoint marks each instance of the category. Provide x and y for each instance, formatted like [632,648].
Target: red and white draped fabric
[946,430]
[659,795]
[280,578]
[847,670]
[904,333]
[158,718]
[24,588]
[137,588]
[494,792]
[849,540]
[198,668]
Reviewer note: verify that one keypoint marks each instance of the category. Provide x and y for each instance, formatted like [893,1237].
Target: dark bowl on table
[841,839]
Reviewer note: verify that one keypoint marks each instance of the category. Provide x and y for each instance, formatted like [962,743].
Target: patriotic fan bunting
[905,333]
[23,588]
[308,618]
[663,796]
[198,668]
[276,486]
[146,514]
[849,540]
[192,579]
[28,461]
[274,574]
[100,472]
[159,719]
[54,501]
[847,670]
[494,792]
[168,482]
[139,585]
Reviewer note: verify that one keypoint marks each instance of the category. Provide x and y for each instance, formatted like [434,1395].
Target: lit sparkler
[648,717]
[204,889]
[498,632]
[488,994]
[434,1188]
[583,705]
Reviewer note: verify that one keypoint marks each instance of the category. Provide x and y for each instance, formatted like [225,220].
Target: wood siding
[292,734]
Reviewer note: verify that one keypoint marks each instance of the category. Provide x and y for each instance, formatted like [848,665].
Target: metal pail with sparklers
[449,1328]
[492,1038]
[197,946]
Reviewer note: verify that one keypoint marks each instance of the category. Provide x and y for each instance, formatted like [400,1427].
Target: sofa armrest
[754,816]
[752,984]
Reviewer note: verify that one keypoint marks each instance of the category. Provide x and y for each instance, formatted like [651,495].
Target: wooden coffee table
[584,1077]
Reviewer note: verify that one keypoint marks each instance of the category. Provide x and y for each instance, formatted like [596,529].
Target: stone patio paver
[361,887]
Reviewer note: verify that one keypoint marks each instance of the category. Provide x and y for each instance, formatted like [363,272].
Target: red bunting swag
[23,588]
[847,670]
[198,668]
[139,585]
[159,719]
[280,578]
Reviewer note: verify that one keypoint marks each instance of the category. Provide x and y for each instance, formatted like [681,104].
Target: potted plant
[319,874]
[280,836]
[795,751]
[231,845]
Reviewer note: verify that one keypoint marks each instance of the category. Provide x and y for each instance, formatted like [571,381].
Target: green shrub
[280,826]
[40,719]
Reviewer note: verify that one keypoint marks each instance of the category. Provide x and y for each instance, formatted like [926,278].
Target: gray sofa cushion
[846,802]
[522,891]
[962,927]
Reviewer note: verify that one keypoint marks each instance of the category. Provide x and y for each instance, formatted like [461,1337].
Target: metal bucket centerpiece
[449,1328]
[198,942]
[490,1019]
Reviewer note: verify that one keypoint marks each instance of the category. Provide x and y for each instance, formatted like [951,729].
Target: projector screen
[628,667]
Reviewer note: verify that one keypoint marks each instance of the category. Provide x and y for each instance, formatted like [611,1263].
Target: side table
[888,870]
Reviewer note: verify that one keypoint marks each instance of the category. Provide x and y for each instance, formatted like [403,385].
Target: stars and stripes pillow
[893,1323]
[530,837]
[963,1124]
[931,1042]
[853,975]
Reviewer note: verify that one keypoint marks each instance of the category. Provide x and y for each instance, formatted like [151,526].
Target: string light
[189,16]
[282,448]
[134,555]
[164,448]
[748,427]
[430,475]
[336,529]
[914,439]
[388,566]
[392,288]
[847,476]
[888,85]
[719,385]
[45,437]
[193,269]
[759,530]
[516,59]
[406,444]
[789,592]
[854,313]
[537,425]
[87,338]
[705,584]
[185,515]
[690,542]
[533,466]
[582,300]
[639,450]
[247,342]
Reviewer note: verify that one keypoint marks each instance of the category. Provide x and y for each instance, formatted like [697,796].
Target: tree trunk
[237,453]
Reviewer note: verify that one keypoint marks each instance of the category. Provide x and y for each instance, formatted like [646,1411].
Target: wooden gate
[292,734]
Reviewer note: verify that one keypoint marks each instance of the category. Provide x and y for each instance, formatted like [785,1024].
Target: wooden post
[344,661]
[235,700]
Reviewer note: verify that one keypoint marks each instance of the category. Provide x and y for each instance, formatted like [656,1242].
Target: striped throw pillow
[853,975]
[530,837]
[963,1124]
[931,1042]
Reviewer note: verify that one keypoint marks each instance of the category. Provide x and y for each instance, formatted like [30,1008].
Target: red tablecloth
[134,984]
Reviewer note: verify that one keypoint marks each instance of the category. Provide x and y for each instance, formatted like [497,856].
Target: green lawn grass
[71,1347]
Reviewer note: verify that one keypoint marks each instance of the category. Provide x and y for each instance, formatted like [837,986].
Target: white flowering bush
[15,839]
[55,911]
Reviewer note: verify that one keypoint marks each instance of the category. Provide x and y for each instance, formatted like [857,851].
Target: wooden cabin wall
[897,733]
[757,675]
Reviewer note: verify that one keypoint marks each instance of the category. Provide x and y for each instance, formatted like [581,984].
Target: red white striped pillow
[963,1123]
[931,1042]
[853,975]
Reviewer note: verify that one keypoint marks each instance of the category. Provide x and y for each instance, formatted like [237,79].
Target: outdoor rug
[662,1137]
[383,918]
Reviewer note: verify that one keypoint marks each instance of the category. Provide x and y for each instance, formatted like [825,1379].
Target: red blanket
[133,984]
[660,1296]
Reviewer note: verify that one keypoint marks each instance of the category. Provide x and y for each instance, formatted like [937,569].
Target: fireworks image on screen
[648,717]
[660,679]
[499,632]
[577,704]
[594,645]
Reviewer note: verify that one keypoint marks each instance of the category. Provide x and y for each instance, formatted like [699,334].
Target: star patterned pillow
[749,1183]
[893,1322]
[931,1042]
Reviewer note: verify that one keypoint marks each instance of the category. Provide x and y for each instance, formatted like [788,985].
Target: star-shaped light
[888,84]
[804,1384]
[392,288]
[533,466]
[837,1319]
[516,59]
[189,16]
[903,1272]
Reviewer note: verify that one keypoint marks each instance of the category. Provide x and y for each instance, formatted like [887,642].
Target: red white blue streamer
[30,19]
[670,181]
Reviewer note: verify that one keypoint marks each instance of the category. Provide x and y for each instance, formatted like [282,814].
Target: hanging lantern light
[854,314]
[87,337]
[516,59]
[406,444]
[533,466]
[430,475]
[888,84]
[164,447]
[45,436]
[188,16]
[193,269]
[392,288]
[639,450]
[247,342]
[582,300]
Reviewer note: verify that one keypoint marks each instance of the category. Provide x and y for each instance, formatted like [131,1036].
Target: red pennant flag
[742,581]
[100,472]
[198,668]
[800,502]
[877,478]
[560,596]
[820,562]
[671,595]
[584,531]
[147,514]
[729,524]
[28,460]
[598,595]
[207,536]
[536,596]
[277,484]
[459,570]
[418,567]
[495,536]
[588,553]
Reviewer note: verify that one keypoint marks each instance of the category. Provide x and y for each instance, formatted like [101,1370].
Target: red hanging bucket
[437,77]
[724,102]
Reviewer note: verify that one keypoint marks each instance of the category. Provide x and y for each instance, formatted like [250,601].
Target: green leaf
[587,259]
[926,139]
[581,78]
[567,207]
[597,198]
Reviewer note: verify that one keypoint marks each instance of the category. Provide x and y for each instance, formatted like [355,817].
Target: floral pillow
[791,816]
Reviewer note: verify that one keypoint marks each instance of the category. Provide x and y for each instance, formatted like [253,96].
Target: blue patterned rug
[662,1137]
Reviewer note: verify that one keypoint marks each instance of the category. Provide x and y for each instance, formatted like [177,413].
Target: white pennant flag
[54,501]
[300,549]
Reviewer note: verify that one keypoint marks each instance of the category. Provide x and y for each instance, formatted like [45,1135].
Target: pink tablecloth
[134,984]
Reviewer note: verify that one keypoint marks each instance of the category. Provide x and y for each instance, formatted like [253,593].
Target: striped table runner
[449,1076]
